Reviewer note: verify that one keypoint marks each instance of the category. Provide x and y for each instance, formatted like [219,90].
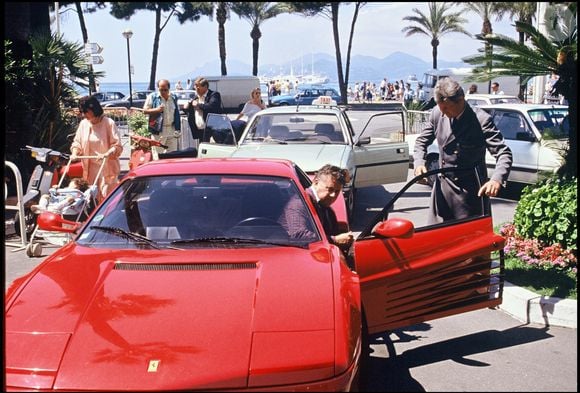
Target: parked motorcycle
[51,170]
[142,150]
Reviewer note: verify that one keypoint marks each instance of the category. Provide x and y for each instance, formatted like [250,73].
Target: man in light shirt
[495,88]
[206,101]
[166,103]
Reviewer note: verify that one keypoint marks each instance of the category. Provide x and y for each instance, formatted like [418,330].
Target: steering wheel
[257,221]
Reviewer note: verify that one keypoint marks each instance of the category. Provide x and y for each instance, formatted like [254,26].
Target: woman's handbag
[156,123]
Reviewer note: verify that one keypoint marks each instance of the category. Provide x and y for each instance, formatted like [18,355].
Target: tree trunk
[255,34]
[347,69]
[155,49]
[221,19]
[341,83]
[92,85]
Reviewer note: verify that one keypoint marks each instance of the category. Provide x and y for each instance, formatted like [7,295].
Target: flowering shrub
[534,252]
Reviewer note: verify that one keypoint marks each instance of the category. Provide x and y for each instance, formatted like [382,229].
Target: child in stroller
[67,201]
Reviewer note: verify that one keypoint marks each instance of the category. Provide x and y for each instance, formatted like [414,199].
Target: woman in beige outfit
[97,135]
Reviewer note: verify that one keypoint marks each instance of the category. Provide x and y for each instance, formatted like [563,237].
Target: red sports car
[186,278]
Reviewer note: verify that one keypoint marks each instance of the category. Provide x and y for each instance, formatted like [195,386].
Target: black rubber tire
[29,223]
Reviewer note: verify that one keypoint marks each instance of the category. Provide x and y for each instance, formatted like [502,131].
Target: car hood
[163,319]
[309,157]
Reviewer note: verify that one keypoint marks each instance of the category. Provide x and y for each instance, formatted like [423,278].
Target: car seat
[280,132]
[327,129]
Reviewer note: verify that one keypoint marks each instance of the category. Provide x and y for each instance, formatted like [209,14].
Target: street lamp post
[128,34]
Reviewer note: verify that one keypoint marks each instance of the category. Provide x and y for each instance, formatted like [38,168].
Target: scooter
[52,168]
[142,150]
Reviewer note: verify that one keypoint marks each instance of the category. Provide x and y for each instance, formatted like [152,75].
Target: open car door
[411,271]
[381,154]
[222,140]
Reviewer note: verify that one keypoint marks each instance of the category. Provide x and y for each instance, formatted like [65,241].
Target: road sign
[92,48]
[95,59]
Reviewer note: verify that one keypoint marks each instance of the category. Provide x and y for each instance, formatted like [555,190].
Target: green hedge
[547,211]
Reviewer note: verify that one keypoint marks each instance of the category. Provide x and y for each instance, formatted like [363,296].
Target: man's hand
[343,239]
[491,188]
[420,170]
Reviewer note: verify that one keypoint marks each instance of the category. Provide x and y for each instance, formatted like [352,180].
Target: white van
[508,84]
[234,90]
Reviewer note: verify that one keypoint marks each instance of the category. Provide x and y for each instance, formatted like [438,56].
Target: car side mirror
[525,136]
[48,221]
[394,228]
[363,141]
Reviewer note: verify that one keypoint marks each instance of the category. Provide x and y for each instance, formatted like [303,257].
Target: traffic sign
[95,59]
[92,48]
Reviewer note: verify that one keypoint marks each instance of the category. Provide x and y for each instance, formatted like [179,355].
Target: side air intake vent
[183,266]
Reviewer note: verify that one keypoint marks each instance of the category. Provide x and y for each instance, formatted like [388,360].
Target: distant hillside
[395,66]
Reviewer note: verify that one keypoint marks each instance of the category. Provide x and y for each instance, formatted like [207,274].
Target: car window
[510,123]
[553,123]
[186,209]
[295,128]
[474,102]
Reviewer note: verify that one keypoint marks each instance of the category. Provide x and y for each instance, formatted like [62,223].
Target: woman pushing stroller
[96,139]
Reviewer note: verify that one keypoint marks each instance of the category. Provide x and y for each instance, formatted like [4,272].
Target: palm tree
[186,11]
[435,25]
[222,15]
[544,55]
[330,11]
[257,13]
[485,10]
[522,12]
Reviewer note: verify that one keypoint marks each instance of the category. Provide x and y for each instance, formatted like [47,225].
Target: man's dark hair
[341,175]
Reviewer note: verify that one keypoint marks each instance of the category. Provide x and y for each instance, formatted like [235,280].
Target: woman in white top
[252,106]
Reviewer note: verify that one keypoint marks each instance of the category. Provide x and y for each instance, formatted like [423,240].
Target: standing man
[463,134]
[495,88]
[206,101]
[166,103]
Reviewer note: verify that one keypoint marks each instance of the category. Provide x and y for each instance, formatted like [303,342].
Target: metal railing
[416,121]
[19,206]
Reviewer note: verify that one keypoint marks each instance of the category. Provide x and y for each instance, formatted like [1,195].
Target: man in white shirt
[206,101]
[495,88]
[165,103]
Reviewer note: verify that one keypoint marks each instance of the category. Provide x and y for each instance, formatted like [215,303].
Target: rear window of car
[553,123]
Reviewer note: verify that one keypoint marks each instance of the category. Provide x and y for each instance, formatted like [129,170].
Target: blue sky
[185,47]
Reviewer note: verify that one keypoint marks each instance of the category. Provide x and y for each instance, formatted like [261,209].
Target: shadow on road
[383,370]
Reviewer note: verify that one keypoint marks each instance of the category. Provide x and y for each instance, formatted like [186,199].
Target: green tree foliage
[186,11]
[57,66]
[435,25]
[555,52]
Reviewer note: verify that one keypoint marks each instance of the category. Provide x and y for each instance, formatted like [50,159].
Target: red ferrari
[187,278]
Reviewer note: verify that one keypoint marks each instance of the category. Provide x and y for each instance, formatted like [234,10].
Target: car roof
[521,107]
[301,109]
[483,96]
[231,166]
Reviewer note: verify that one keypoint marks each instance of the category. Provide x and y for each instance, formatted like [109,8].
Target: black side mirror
[525,136]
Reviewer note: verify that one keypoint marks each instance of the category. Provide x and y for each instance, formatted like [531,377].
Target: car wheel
[283,104]
[432,164]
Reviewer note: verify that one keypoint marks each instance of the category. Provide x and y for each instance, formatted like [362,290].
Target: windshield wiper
[130,235]
[235,240]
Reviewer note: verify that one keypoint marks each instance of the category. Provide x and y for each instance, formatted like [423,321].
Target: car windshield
[553,123]
[505,100]
[202,211]
[287,128]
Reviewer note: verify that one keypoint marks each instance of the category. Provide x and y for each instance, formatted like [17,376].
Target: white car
[315,135]
[537,135]
[486,99]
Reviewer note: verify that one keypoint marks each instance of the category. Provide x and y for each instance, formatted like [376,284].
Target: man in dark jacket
[463,135]
[206,101]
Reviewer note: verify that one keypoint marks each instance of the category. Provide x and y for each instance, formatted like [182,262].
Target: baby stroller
[79,210]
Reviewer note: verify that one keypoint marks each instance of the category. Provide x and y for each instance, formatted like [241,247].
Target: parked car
[304,96]
[183,97]
[103,96]
[537,135]
[139,98]
[183,279]
[315,135]
[485,99]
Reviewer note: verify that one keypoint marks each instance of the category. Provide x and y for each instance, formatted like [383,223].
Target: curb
[529,307]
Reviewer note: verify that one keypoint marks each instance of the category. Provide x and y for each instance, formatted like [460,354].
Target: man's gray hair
[448,89]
